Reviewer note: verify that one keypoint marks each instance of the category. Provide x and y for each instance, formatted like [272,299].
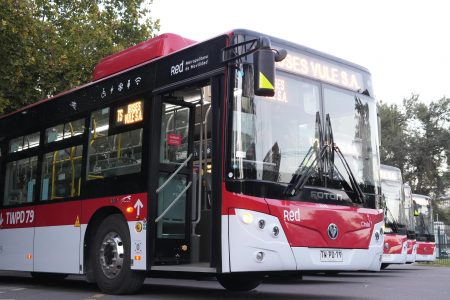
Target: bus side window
[61,173]
[20,181]
[24,142]
[112,155]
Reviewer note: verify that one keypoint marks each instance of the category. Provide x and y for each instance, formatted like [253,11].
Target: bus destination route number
[130,114]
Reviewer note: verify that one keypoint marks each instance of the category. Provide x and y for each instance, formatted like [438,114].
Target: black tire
[239,282]
[110,256]
[384,266]
[46,277]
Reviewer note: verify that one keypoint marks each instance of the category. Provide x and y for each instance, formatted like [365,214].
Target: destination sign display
[130,114]
[320,69]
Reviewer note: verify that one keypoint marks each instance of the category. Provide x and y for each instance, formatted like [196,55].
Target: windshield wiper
[303,173]
[324,160]
[360,197]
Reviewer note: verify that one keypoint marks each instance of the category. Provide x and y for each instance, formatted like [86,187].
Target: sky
[404,44]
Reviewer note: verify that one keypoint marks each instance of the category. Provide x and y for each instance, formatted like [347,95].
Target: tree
[52,46]
[416,139]
[393,135]
[429,145]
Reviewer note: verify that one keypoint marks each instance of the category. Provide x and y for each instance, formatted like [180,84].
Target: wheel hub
[111,255]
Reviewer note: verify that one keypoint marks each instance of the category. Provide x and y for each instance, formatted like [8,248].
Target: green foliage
[393,127]
[442,210]
[52,46]
[416,139]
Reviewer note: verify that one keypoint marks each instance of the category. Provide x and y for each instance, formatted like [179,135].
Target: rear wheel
[110,256]
[239,282]
[384,266]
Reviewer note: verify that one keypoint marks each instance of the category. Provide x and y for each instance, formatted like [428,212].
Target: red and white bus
[426,245]
[395,239]
[185,158]
[410,224]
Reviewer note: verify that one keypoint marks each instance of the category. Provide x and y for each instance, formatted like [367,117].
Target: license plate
[331,255]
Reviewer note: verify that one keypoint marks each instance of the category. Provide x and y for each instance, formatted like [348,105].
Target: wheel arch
[92,226]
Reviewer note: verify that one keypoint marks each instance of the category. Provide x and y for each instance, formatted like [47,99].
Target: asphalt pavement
[396,282]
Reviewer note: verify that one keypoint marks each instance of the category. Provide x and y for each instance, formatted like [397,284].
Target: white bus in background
[395,238]
[410,224]
[426,246]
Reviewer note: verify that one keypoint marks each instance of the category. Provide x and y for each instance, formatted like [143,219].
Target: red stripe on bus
[133,206]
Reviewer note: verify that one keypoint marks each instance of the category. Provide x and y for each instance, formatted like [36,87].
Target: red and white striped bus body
[295,236]
[423,212]
[426,252]
[412,251]
[395,249]
[395,234]
[50,238]
[410,224]
[220,158]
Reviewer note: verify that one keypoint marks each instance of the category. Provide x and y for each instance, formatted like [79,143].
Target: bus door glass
[174,192]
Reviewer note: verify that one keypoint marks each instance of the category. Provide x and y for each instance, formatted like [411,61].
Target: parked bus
[423,211]
[186,158]
[410,224]
[395,238]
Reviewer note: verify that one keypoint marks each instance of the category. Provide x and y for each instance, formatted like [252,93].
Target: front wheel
[239,282]
[110,255]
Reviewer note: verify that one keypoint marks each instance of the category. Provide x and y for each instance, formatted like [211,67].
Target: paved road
[396,282]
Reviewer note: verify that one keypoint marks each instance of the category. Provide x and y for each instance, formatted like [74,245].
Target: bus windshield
[392,198]
[423,213]
[271,136]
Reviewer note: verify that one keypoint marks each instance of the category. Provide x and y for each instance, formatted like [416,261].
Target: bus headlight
[247,218]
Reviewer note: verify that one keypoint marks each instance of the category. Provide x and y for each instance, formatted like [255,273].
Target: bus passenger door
[174,188]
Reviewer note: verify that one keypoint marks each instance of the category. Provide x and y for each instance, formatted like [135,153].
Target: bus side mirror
[264,68]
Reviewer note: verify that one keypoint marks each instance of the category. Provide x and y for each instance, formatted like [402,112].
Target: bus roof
[390,173]
[161,45]
[302,48]
[421,199]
